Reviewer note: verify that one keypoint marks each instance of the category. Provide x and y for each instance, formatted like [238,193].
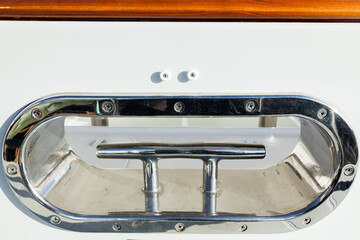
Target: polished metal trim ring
[16,152]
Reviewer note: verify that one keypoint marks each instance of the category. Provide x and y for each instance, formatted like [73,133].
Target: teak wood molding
[181,9]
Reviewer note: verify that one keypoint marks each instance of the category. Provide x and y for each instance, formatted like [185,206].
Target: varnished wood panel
[181,9]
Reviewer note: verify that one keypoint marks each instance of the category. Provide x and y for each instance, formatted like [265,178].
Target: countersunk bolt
[36,113]
[116,227]
[243,228]
[107,106]
[165,75]
[322,113]
[179,107]
[307,220]
[180,227]
[192,75]
[250,106]
[55,220]
[349,171]
[11,169]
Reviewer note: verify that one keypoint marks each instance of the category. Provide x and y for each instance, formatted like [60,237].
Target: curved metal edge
[340,131]
[11,193]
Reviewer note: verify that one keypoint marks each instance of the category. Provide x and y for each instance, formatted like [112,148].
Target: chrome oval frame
[265,105]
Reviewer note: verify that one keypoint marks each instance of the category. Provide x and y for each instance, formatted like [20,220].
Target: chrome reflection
[82,193]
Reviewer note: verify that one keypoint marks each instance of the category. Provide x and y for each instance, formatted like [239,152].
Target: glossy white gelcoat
[315,59]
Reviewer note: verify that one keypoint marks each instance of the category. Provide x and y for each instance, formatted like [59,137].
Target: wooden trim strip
[181,9]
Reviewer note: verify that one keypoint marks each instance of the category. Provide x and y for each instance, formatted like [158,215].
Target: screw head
[192,75]
[243,228]
[179,107]
[11,169]
[322,113]
[55,220]
[250,106]
[116,227]
[165,75]
[307,220]
[180,227]
[107,107]
[36,113]
[349,171]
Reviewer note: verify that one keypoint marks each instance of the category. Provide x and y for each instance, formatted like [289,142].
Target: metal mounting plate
[22,129]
